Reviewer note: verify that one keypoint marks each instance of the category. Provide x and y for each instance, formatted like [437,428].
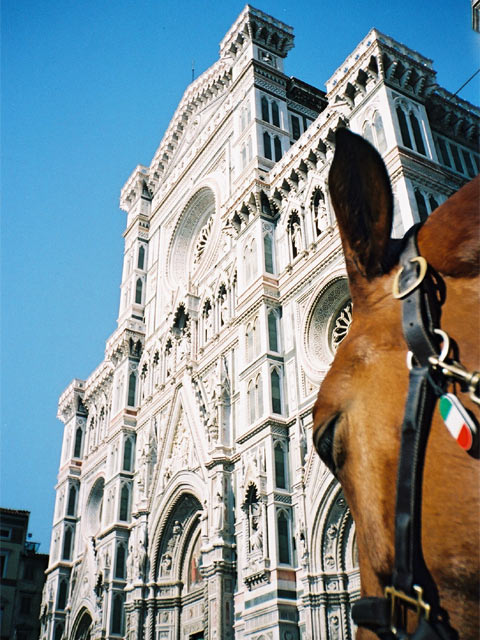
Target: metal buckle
[400,602]
[423,270]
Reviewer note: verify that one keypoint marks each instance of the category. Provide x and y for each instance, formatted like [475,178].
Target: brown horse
[360,405]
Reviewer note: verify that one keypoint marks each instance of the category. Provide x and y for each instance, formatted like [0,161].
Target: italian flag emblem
[457,420]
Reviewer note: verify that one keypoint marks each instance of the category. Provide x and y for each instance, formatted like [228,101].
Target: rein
[422,293]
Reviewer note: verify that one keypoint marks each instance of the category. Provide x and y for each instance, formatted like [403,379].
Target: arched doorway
[83,627]
[178,570]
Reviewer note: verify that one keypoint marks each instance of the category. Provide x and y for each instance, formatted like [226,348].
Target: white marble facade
[190,503]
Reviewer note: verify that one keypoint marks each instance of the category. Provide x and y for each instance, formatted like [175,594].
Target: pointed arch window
[120,561]
[467,159]
[456,157]
[280,466]
[259,396]
[421,205]
[243,155]
[265,109]
[443,152]
[267,145]
[417,134]
[251,401]
[132,386]
[124,511]
[249,341]
[77,452]
[273,330]
[295,128]
[276,391]
[67,544]
[433,203]
[141,257]
[138,291]
[379,132]
[277,143]
[367,133]
[283,532]
[268,251]
[59,629]
[256,337]
[62,594]
[117,615]
[402,121]
[128,454]
[72,501]
[275,114]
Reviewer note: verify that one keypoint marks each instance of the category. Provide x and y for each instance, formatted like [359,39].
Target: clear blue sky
[88,88]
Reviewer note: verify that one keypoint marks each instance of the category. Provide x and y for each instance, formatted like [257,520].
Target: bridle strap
[421,292]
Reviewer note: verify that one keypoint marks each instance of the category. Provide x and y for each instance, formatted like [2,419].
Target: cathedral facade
[190,503]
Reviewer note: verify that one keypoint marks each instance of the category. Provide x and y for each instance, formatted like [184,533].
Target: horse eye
[324,444]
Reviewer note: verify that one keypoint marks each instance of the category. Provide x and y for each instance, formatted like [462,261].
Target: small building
[22,577]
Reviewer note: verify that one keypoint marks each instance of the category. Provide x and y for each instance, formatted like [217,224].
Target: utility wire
[465,83]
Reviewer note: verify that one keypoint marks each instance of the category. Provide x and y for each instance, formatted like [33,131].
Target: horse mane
[450,237]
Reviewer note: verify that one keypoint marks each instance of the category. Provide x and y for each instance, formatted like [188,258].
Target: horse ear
[362,198]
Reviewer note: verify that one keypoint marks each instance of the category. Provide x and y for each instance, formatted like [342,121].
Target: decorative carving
[330,546]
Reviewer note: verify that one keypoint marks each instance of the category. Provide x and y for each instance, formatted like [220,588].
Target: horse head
[358,414]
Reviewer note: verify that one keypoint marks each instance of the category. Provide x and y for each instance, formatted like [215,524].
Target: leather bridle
[421,291]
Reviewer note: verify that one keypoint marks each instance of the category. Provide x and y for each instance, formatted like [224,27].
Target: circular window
[340,325]
[191,241]
[328,323]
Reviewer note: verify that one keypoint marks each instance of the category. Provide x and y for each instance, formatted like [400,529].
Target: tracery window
[410,128]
